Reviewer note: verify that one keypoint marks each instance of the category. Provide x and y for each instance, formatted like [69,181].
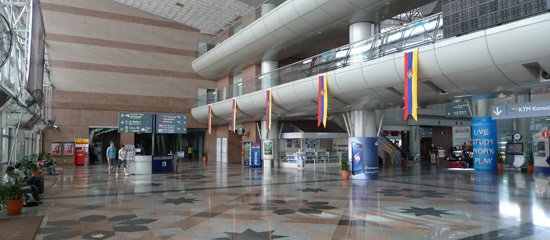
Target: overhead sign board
[521,110]
[458,109]
[171,123]
[135,122]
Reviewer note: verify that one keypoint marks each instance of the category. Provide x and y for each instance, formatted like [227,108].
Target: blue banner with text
[484,141]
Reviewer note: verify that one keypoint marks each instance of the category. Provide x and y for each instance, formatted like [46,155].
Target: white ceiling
[207,15]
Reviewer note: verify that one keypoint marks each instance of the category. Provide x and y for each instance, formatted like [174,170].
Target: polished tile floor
[231,202]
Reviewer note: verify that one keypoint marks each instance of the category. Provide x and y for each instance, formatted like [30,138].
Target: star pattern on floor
[250,234]
[411,193]
[178,201]
[285,207]
[430,211]
[313,190]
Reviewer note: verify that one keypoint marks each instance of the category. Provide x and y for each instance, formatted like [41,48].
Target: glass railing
[239,24]
[421,32]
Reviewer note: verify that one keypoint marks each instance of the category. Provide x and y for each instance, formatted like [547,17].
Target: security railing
[421,32]
[238,25]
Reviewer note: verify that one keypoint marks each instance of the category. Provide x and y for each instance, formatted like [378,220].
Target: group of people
[437,153]
[32,185]
[114,162]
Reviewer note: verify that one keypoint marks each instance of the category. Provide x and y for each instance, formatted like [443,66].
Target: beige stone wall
[106,57]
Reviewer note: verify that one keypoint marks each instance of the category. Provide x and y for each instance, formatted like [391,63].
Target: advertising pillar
[484,140]
[363,157]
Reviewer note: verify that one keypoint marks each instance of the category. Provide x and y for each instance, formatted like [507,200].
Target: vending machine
[81,151]
[255,155]
[247,153]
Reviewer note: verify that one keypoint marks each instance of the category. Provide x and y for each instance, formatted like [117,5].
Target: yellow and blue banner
[411,85]
[268,107]
[322,98]
[234,117]
[209,118]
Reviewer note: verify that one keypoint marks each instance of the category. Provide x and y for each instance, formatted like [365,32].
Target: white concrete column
[364,123]
[272,137]
[414,141]
[360,31]
[269,78]
[267,7]
[523,129]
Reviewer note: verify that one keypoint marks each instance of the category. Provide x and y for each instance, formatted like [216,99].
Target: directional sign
[458,109]
[171,123]
[135,122]
[521,110]
[545,134]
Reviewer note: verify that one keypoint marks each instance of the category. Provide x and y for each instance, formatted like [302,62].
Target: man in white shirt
[121,160]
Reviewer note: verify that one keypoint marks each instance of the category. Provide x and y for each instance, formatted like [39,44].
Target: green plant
[10,191]
[344,165]
[30,163]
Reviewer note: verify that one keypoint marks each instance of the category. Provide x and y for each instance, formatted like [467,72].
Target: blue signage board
[458,109]
[171,123]
[363,156]
[484,141]
[256,155]
[129,122]
[521,110]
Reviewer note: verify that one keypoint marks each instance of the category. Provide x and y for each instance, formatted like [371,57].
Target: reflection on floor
[231,202]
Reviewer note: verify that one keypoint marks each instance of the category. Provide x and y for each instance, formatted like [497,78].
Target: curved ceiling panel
[275,35]
[378,83]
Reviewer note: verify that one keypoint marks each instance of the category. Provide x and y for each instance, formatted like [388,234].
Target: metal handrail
[422,32]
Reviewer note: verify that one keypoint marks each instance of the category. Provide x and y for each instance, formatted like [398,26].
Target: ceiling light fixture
[179,4]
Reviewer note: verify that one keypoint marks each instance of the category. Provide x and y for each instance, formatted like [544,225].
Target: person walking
[111,156]
[441,154]
[433,152]
[121,160]
[189,152]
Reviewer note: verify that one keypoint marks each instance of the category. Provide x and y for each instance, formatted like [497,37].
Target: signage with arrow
[171,123]
[521,110]
[135,122]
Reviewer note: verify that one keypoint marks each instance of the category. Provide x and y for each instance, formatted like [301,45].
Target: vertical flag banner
[411,85]
[209,119]
[234,118]
[322,105]
[268,106]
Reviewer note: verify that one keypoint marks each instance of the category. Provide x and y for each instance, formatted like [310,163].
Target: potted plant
[11,196]
[344,169]
[530,166]
[204,157]
[31,165]
[500,163]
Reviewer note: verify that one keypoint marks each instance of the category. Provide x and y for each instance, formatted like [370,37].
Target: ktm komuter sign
[521,110]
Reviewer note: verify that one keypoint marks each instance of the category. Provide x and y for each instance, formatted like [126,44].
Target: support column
[484,134]
[523,129]
[360,31]
[270,142]
[362,147]
[269,80]
[414,142]
[267,7]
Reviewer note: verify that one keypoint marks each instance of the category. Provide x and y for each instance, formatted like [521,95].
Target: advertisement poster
[484,141]
[363,157]
[461,134]
[357,156]
[56,149]
[268,149]
[68,149]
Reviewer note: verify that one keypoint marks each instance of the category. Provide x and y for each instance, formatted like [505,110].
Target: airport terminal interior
[274,119]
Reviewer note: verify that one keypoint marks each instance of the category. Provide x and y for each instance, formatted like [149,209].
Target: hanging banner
[410,85]
[322,98]
[209,119]
[234,117]
[268,106]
